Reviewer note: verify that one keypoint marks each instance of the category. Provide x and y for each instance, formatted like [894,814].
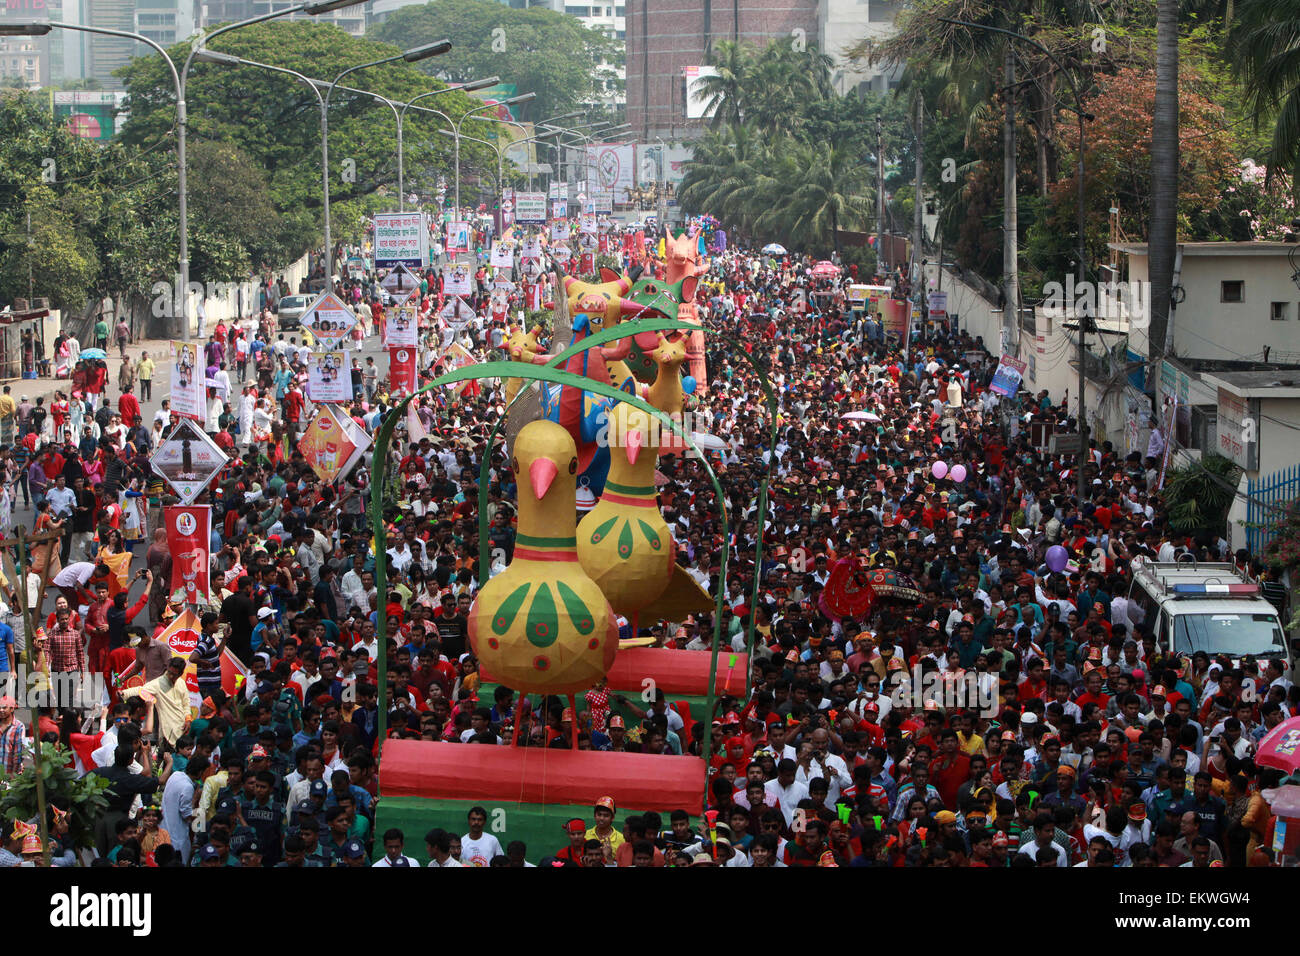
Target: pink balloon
[958,473]
[939,469]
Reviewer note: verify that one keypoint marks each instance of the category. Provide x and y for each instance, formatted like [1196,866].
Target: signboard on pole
[187,460]
[329,321]
[189,530]
[328,377]
[326,444]
[404,325]
[457,279]
[401,369]
[1006,380]
[530,209]
[400,283]
[503,254]
[937,303]
[187,382]
[613,164]
[401,238]
[559,208]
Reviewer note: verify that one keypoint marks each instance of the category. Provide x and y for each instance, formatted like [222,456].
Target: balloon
[939,469]
[688,384]
[958,473]
[1057,557]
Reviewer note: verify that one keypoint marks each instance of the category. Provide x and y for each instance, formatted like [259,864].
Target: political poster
[404,325]
[937,306]
[1006,380]
[401,238]
[326,444]
[189,531]
[188,460]
[330,322]
[560,231]
[329,378]
[503,254]
[559,208]
[187,382]
[456,279]
[401,370]
[458,236]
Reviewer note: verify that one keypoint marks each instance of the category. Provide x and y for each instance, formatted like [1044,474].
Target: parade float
[546,626]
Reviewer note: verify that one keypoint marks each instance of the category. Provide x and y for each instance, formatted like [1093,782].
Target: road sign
[400,283]
[188,460]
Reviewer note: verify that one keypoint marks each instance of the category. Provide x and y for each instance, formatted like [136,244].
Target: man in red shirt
[950,769]
[128,405]
[293,408]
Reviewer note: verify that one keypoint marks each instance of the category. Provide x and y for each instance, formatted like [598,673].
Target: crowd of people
[1092,746]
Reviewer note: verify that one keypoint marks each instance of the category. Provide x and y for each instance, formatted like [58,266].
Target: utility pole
[30,285]
[918,236]
[882,263]
[1010,226]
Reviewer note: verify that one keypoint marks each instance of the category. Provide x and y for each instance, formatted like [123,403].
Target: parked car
[292,308]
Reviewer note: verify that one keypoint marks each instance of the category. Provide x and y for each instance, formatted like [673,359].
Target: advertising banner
[189,531]
[187,382]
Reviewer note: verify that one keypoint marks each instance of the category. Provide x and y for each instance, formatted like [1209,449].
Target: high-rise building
[669,41]
[213,12]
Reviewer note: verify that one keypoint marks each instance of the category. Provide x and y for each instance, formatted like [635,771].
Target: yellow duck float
[542,625]
[624,543]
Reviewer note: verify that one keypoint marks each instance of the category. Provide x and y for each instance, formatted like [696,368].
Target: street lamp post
[413,55]
[311,9]
[512,101]
[401,117]
[1080,266]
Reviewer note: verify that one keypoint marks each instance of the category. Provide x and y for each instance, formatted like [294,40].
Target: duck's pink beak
[541,473]
[633,446]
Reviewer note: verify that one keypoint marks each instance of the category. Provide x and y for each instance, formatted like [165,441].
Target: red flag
[189,531]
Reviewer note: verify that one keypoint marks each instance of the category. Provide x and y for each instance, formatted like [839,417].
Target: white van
[1213,608]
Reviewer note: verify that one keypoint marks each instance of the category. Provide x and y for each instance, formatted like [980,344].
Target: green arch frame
[551,372]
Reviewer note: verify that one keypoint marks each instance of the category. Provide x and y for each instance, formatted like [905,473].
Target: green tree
[539,51]
[273,122]
[59,258]
[1265,50]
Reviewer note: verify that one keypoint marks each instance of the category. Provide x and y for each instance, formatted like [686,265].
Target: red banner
[401,370]
[189,532]
[587,263]
[602,244]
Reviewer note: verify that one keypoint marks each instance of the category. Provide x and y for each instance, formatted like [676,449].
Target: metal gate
[1266,496]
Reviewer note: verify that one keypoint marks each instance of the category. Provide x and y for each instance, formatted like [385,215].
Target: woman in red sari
[80,380]
[100,376]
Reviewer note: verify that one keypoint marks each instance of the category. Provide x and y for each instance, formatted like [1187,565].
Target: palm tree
[1163,234]
[1265,44]
[821,188]
[724,92]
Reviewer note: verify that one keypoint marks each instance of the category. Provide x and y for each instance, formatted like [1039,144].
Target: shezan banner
[189,532]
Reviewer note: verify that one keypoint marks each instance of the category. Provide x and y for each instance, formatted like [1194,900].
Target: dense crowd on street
[1096,749]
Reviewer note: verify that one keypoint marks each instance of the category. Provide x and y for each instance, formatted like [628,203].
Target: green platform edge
[539,826]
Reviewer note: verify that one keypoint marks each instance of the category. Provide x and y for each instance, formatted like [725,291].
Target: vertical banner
[401,369]
[896,314]
[458,234]
[187,382]
[189,531]
[503,254]
[457,280]
[328,377]
[404,325]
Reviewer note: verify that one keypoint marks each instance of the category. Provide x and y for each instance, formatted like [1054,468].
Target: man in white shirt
[438,843]
[394,841]
[821,762]
[476,847]
[787,790]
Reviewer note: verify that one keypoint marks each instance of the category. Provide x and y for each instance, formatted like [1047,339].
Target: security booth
[23,347]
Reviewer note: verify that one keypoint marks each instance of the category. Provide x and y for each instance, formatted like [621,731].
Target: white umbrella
[861,416]
[774,249]
[708,442]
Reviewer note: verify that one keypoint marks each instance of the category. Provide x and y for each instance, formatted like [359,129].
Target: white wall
[227,307]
